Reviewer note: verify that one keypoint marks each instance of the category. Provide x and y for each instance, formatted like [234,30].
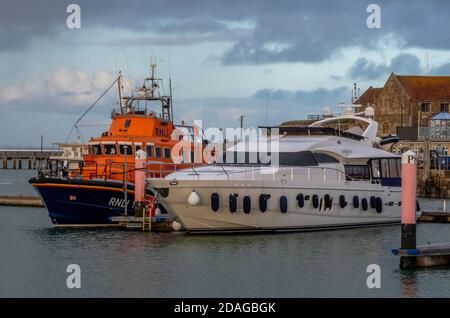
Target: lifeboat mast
[146,93]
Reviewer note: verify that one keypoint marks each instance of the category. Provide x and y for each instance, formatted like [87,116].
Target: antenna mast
[171,100]
[119,83]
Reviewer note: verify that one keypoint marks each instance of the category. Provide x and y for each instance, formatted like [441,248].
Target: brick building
[406,102]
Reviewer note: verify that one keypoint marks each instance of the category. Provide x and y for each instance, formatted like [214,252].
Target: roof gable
[370,95]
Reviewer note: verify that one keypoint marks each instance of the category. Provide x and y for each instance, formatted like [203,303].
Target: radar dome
[327,112]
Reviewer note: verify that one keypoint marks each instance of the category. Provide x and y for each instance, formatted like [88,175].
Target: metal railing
[434,133]
[248,172]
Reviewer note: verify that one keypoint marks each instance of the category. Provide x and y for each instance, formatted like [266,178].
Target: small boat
[324,178]
[97,182]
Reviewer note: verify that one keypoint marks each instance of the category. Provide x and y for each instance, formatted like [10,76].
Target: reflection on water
[409,283]
[116,263]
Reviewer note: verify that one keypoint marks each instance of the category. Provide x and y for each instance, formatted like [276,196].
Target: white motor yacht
[325,178]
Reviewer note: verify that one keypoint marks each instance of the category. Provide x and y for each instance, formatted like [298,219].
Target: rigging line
[92,106]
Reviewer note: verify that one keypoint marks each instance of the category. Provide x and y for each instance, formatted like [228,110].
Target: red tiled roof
[369,96]
[426,88]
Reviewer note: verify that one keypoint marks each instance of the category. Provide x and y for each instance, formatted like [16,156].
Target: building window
[425,107]
[444,107]
[385,128]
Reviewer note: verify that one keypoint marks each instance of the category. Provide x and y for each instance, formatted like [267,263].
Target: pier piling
[412,256]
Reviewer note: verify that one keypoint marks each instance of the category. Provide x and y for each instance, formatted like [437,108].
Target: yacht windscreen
[301,158]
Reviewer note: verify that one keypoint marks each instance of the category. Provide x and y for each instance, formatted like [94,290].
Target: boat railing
[67,168]
[249,172]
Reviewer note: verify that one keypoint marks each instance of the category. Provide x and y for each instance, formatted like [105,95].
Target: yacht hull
[201,218]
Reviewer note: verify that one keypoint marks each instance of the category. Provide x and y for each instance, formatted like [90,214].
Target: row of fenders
[374,202]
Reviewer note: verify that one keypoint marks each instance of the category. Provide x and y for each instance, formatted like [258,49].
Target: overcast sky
[269,60]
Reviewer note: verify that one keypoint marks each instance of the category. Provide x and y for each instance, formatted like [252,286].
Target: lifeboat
[102,184]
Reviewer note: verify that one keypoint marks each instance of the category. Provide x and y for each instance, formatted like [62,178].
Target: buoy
[356,202]
[233,202]
[215,203]
[342,202]
[373,203]
[364,204]
[193,198]
[283,204]
[301,200]
[378,205]
[176,226]
[263,202]
[328,201]
[315,201]
[247,204]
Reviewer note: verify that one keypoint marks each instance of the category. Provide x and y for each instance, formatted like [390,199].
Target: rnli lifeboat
[101,186]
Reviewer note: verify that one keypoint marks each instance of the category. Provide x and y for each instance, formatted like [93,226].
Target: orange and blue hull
[85,202]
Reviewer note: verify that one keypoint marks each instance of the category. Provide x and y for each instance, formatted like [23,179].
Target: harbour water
[116,263]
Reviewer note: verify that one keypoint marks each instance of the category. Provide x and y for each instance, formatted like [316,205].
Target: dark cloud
[286,31]
[266,106]
[318,96]
[403,63]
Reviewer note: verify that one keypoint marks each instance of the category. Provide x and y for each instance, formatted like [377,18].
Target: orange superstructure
[136,125]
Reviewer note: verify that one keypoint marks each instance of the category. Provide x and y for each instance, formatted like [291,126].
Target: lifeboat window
[110,149]
[149,149]
[126,150]
[357,172]
[96,150]
[137,147]
[158,152]
[127,123]
[167,152]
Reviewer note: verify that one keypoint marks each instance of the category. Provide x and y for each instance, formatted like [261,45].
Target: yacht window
[376,168]
[384,168]
[301,158]
[158,152]
[110,149]
[357,172]
[149,149]
[126,150]
[398,162]
[167,152]
[323,158]
[393,172]
[96,150]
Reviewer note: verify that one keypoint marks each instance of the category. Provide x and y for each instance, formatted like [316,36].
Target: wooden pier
[434,217]
[26,158]
[157,224]
[424,256]
[21,200]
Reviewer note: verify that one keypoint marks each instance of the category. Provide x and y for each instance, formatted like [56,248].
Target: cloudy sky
[269,60]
